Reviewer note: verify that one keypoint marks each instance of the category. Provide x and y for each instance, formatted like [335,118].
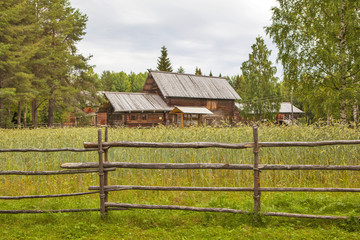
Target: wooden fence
[103,166]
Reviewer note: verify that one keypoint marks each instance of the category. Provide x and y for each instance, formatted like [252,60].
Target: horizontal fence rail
[170,145]
[94,145]
[208,166]
[46,196]
[219,210]
[227,189]
[48,150]
[38,173]
[58,211]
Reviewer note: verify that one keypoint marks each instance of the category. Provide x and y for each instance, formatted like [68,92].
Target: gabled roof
[136,102]
[285,107]
[193,86]
[192,110]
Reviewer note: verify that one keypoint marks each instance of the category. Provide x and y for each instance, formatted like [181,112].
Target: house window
[144,117]
[212,105]
[133,117]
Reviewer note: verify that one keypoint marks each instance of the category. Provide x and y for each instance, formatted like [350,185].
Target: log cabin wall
[224,110]
[146,119]
[150,86]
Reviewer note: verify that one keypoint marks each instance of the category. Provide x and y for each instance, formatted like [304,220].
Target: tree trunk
[25,111]
[19,115]
[9,112]
[355,112]
[328,120]
[34,113]
[51,108]
[2,113]
[342,43]
[343,111]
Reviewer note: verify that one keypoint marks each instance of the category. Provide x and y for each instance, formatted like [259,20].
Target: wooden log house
[173,98]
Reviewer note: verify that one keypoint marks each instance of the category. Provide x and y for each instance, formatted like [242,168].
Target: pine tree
[180,70]
[260,90]
[60,27]
[198,71]
[163,61]
[16,49]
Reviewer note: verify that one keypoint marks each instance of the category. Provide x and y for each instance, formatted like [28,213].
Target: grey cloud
[214,35]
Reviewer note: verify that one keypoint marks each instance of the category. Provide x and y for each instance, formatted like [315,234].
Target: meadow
[183,225]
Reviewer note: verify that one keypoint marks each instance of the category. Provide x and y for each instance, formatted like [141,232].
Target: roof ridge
[132,93]
[187,74]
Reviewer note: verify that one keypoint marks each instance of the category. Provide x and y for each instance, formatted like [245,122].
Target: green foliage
[198,71]
[320,51]
[180,70]
[164,63]
[260,91]
[39,58]
[122,82]
[236,82]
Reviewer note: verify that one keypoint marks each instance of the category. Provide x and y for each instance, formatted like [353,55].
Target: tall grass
[74,138]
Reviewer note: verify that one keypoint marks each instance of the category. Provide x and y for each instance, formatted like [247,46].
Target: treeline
[40,67]
[43,78]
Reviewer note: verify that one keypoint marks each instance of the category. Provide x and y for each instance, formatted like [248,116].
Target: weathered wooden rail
[103,166]
[42,173]
[256,167]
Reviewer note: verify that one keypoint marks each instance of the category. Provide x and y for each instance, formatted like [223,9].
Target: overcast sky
[127,35]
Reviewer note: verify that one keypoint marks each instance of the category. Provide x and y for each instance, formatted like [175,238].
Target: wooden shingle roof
[193,86]
[136,102]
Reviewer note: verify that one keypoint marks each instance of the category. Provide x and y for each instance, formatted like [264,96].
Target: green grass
[158,224]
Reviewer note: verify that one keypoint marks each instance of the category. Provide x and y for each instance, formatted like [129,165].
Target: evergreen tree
[180,70]
[39,62]
[198,71]
[60,28]
[260,90]
[163,61]
[15,51]
[210,74]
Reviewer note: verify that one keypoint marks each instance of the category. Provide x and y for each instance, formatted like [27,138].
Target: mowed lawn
[165,224]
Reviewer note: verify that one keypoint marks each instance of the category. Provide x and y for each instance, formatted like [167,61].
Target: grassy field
[143,224]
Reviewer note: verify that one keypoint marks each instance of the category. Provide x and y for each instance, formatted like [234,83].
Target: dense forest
[43,77]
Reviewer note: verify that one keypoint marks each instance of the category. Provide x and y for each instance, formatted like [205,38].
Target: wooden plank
[171,145]
[101,175]
[208,166]
[220,145]
[222,210]
[45,196]
[57,211]
[48,150]
[173,207]
[257,193]
[225,189]
[309,144]
[27,173]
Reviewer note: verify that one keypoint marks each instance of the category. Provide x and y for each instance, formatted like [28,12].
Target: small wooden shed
[189,115]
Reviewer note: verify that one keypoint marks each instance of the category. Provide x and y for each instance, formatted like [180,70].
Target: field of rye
[74,138]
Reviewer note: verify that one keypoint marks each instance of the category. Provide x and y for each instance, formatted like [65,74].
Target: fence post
[101,175]
[256,172]
[106,181]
